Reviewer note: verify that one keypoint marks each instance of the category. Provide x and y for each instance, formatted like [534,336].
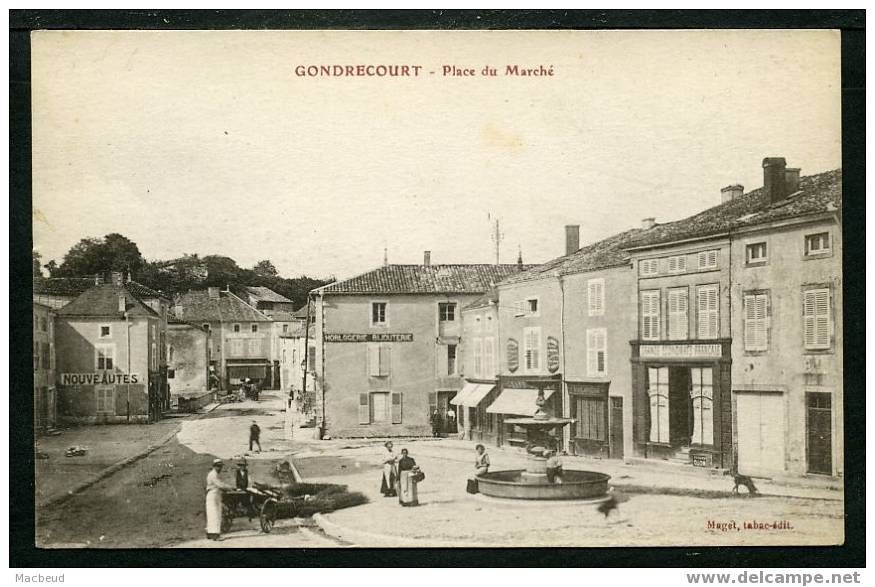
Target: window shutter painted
[596,297]
[396,408]
[678,314]
[385,360]
[816,318]
[707,304]
[374,360]
[364,409]
[650,315]
[756,322]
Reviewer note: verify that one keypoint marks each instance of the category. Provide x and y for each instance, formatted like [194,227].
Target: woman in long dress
[215,486]
[407,469]
[390,474]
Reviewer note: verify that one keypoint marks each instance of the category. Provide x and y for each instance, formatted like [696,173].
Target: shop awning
[519,402]
[472,394]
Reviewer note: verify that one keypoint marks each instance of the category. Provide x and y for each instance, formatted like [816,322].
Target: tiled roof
[607,252]
[301,313]
[173,320]
[102,301]
[817,194]
[424,279]
[484,301]
[296,331]
[282,316]
[197,306]
[75,286]
[265,294]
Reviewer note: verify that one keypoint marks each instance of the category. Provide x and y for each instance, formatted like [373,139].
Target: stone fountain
[531,482]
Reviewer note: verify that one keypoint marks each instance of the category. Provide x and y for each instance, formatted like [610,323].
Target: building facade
[44,391]
[109,358]
[188,358]
[240,335]
[388,346]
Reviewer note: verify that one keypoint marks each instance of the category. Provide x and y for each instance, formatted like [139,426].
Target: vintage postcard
[329,289]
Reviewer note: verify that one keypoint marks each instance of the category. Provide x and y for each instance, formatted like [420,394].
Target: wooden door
[616,428]
[760,421]
[819,433]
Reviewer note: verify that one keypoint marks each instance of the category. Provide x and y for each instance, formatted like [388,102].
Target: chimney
[791,179]
[122,303]
[648,223]
[426,258]
[774,180]
[213,293]
[731,192]
[118,278]
[385,256]
[519,259]
[572,238]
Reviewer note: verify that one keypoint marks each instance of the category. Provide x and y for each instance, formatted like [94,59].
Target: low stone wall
[192,402]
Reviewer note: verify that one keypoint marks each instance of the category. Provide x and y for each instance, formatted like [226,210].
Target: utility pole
[497,236]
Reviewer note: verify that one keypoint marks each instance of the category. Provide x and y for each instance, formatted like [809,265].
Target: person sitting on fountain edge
[554,467]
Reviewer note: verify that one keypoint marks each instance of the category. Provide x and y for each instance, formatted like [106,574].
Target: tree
[265,269]
[114,252]
[221,271]
[52,268]
[37,263]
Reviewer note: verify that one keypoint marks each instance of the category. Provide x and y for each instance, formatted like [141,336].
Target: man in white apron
[215,486]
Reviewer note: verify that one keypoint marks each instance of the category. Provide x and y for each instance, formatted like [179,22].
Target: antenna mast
[497,237]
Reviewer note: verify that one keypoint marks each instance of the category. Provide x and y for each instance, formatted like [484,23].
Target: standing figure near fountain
[408,474]
[553,467]
[481,461]
[390,471]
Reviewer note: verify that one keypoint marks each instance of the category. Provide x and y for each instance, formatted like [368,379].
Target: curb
[117,466]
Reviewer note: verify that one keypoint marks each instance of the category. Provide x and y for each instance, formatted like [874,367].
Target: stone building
[44,393]
[188,357]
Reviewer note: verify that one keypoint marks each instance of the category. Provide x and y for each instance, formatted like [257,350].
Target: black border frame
[850,22]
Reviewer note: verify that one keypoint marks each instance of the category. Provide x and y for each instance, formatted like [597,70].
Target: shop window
[105,396]
[678,313]
[817,319]
[591,418]
[657,389]
[708,316]
[817,244]
[104,356]
[532,348]
[756,253]
[379,359]
[596,352]
[650,315]
[447,312]
[756,322]
[378,313]
[596,296]
[702,394]
[707,260]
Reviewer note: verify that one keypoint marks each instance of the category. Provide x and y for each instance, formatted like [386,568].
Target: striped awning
[519,402]
[472,394]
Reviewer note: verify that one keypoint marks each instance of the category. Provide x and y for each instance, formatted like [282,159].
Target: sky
[208,142]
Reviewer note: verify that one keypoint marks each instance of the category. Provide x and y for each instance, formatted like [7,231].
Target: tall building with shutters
[737,359]
[388,346]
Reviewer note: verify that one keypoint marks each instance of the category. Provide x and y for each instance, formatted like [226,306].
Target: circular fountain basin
[575,485]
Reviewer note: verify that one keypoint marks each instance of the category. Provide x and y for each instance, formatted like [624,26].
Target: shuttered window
[702,394]
[816,318]
[648,266]
[707,260]
[756,322]
[532,346]
[657,389]
[396,408]
[678,313]
[708,315]
[379,359]
[596,296]
[650,315]
[596,352]
[677,264]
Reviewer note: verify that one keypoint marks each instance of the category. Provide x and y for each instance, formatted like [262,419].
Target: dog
[608,506]
[742,480]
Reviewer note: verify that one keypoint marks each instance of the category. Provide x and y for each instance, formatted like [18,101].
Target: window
[105,396]
[650,315]
[254,327]
[531,306]
[596,352]
[205,326]
[237,348]
[477,347]
[378,313]
[657,389]
[708,318]
[648,266]
[489,357]
[678,314]
[380,408]
[447,312]
[379,359]
[756,253]
[702,394]
[677,264]
[816,319]
[707,260]
[756,322]
[595,289]
[285,328]
[105,331]
[311,359]
[105,355]
[451,359]
[591,418]
[532,346]
[236,328]
[817,244]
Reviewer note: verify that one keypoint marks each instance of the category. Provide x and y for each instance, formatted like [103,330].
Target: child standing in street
[254,436]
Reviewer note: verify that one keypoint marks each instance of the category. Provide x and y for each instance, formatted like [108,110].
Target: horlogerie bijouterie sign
[369,337]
